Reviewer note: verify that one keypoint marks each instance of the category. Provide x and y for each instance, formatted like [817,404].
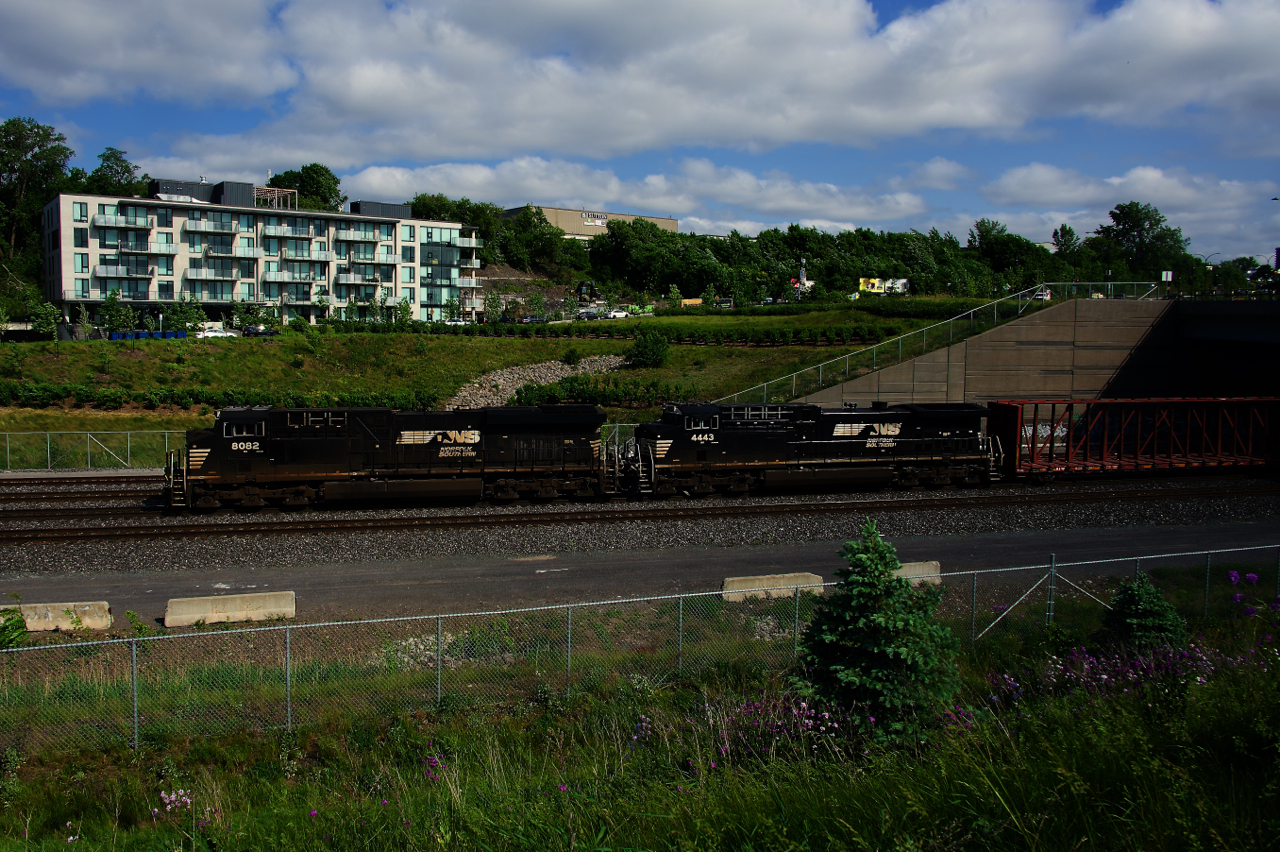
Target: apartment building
[230,241]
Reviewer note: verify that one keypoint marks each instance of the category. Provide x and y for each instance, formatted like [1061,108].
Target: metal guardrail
[214,681]
[88,450]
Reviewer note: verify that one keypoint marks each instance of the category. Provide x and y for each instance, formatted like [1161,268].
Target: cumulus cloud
[938,173]
[363,82]
[697,189]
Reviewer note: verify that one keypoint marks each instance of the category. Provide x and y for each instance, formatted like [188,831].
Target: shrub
[650,349]
[571,357]
[1140,618]
[874,647]
[13,628]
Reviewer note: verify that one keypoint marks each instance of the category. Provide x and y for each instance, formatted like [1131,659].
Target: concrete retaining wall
[776,586]
[921,573]
[93,615]
[220,609]
[1070,350]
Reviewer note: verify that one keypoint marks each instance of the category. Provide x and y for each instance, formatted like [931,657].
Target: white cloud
[697,189]
[423,80]
[938,173]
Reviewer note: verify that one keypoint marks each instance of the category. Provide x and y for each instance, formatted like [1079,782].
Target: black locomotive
[254,457]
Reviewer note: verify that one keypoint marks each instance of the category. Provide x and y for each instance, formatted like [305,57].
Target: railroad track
[73,481]
[692,510]
[72,496]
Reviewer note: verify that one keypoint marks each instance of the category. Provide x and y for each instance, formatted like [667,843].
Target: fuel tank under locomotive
[254,457]
[705,448]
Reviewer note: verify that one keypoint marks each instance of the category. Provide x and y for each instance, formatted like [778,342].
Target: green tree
[709,295]
[117,318]
[4,321]
[116,176]
[45,317]
[1065,242]
[187,314]
[537,303]
[492,305]
[649,349]
[674,297]
[318,187]
[874,646]
[1147,244]
[1141,619]
[33,162]
[452,309]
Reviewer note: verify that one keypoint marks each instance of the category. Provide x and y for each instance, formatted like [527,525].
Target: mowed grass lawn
[347,362]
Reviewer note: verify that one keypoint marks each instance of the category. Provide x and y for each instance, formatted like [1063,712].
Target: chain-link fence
[216,680]
[88,450]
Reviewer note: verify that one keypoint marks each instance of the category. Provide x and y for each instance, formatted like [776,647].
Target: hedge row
[603,390]
[43,394]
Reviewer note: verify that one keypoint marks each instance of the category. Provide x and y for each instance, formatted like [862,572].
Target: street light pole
[1207,265]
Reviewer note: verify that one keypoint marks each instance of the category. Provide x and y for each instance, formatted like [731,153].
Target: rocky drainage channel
[498,387]
[643,535]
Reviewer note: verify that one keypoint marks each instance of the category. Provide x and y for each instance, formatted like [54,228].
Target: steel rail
[47,481]
[73,496]
[692,510]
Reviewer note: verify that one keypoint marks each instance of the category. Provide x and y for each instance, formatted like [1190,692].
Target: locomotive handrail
[763,388]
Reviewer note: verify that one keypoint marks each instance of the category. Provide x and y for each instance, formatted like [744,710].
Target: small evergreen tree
[873,644]
[45,317]
[1141,619]
[674,297]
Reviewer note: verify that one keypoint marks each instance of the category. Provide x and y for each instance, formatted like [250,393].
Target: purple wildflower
[1237,598]
[1250,612]
[1234,577]
[1251,579]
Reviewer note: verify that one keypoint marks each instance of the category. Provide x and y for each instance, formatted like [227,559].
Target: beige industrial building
[582,224]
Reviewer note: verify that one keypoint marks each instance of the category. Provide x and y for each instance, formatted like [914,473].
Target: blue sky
[834,113]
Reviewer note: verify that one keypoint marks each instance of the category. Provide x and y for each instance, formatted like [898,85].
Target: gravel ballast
[330,548]
[496,388]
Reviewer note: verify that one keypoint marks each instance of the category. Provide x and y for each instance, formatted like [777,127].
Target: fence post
[1208,564]
[1137,569]
[288,680]
[1278,575]
[793,385]
[973,612]
[1053,575]
[6,451]
[48,450]
[568,648]
[680,634]
[899,350]
[873,357]
[795,626]
[133,654]
[88,453]
[128,449]
[439,654]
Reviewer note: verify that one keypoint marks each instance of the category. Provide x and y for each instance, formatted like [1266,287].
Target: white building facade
[234,242]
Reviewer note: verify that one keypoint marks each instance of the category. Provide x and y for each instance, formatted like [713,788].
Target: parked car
[455,322]
[617,313]
[214,332]
[531,320]
[259,331]
[588,315]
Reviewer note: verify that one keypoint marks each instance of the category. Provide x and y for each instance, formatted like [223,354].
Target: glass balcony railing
[210,275]
[356,236]
[204,226]
[386,258]
[285,275]
[104,271]
[219,251]
[285,231]
[350,278]
[295,254]
[148,248]
[469,242]
[468,263]
[324,256]
[107,220]
[247,251]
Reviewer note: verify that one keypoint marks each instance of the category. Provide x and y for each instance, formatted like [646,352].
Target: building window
[388,293]
[318,227]
[194,244]
[406,294]
[108,238]
[82,262]
[165,289]
[79,211]
[406,254]
[164,265]
[164,217]
[81,237]
[247,269]
[82,288]
[406,233]
[193,215]
[165,238]
[246,223]
[387,231]
[406,275]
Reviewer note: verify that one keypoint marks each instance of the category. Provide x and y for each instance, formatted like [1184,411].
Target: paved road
[454,584]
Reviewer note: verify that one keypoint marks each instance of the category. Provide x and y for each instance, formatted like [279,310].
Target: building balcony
[356,236]
[107,220]
[469,242]
[324,256]
[219,251]
[246,252]
[469,263]
[148,248]
[204,226]
[386,258]
[295,254]
[286,231]
[211,274]
[101,271]
[285,275]
[350,278]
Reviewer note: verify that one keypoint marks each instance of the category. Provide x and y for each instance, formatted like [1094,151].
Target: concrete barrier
[92,615]
[922,573]
[776,586]
[220,609]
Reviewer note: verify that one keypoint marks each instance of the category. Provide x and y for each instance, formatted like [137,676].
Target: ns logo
[887,429]
[462,436]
